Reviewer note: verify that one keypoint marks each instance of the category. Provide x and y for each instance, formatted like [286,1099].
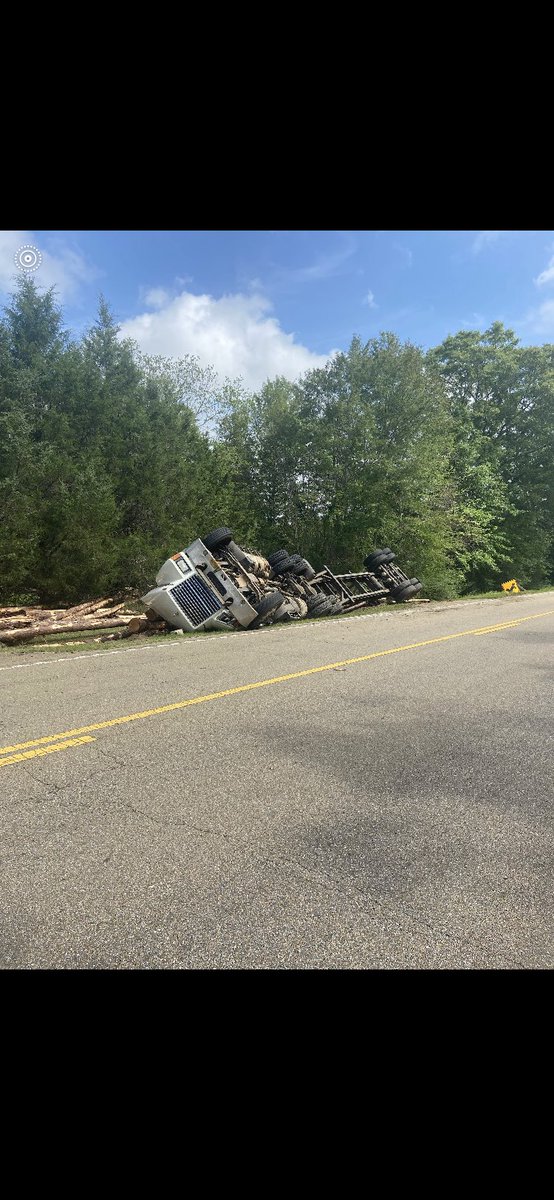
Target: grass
[547,587]
[79,643]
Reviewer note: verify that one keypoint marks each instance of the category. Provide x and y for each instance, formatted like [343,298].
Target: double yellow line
[15,758]
[78,737]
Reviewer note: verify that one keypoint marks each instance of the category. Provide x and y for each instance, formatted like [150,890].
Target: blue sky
[259,303]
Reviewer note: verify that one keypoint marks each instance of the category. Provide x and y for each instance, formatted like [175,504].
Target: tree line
[111,460]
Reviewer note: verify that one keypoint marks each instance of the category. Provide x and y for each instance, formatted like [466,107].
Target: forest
[111,460]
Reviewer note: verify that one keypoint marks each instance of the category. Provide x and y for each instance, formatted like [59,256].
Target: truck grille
[195,599]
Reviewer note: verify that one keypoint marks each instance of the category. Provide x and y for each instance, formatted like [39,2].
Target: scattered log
[15,636]
[37,613]
[152,614]
[89,606]
[15,622]
[39,616]
[95,614]
[45,614]
[136,625]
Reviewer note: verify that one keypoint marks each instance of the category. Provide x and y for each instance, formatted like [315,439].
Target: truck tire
[277,556]
[324,609]
[307,571]
[218,537]
[406,590]
[300,566]
[317,605]
[268,603]
[286,565]
[265,606]
[369,561]
[379,558]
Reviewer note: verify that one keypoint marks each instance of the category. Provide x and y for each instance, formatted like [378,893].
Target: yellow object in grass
[511,586]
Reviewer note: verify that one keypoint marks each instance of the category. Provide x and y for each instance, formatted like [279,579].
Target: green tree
[377,435]
[501,399]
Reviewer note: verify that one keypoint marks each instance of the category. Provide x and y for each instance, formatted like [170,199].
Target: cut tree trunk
[39,616]
[89,606]
[45,614]
[95,613]
[152,615]
[15,622]
[136,625]
[14,636]
[12,612]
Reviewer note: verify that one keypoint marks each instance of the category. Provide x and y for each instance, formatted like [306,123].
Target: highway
[373,792]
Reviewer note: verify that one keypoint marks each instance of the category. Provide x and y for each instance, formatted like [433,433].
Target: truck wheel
[369,562]
[323,610]
[307,571]
[406,590]
[265,606]
[405,594]
[277,556]
[379,558]
[286,565]
[218,537]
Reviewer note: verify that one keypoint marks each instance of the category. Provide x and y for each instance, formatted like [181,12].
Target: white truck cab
[195,592]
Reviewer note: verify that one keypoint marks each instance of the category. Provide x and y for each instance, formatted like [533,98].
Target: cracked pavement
[390,814]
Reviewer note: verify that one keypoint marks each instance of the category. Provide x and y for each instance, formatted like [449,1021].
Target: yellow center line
[15,758]
[498,628]
[249,687]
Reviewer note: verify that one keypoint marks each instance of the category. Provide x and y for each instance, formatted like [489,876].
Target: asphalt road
[393,812]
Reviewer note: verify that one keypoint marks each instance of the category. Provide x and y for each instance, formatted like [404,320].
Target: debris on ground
[25,624]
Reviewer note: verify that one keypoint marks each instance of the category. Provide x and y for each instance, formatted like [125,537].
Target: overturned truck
[216,584]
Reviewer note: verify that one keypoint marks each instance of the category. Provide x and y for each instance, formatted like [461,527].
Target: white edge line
[50,662]
[293,625]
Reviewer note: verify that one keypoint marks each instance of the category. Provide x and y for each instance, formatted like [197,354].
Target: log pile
[24,624]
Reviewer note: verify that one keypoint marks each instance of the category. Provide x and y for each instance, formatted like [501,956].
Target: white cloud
[546,276]
[325,267]
[62,267]
[370,300]
[486,237]
[234,334]
[541,319]
[156,297]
